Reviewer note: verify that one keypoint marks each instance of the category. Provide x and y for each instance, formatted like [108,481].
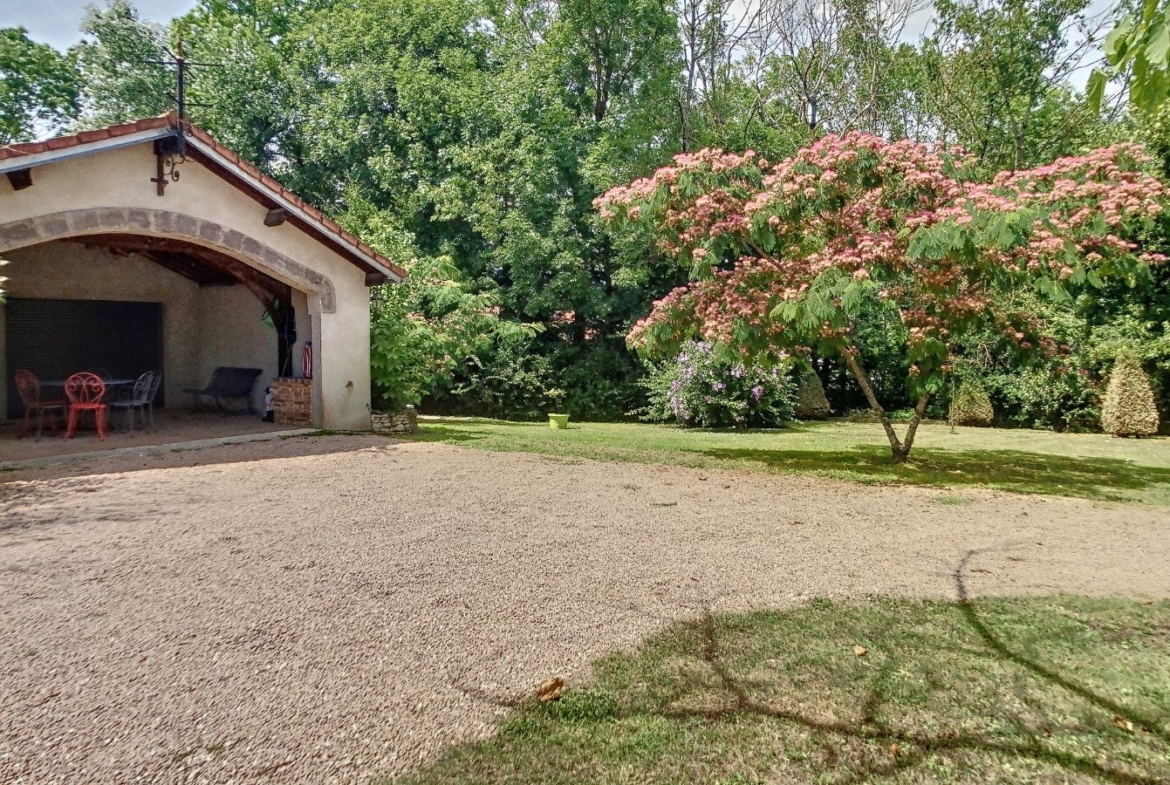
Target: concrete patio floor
[178,425]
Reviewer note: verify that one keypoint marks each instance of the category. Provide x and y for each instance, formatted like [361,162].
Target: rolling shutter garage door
[56,338]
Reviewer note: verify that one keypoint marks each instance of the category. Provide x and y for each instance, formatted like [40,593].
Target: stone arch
[162,223]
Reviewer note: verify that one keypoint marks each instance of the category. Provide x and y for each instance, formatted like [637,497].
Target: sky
[56,22]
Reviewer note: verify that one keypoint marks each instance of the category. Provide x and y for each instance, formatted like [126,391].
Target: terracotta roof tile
[84,137]
[326,224]
[60,142]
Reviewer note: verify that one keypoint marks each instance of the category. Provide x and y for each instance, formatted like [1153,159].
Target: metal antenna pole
[172,150]
[181,67]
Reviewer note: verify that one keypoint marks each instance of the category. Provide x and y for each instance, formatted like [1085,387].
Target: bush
[701,388]
[1054,396]
[1129,408]
[972,405]
[512,383]
[811,403]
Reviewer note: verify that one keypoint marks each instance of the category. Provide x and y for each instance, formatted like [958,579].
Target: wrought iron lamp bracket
[169,153]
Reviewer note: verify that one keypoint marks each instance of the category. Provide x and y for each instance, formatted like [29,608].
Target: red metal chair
[86,393]
[29,388]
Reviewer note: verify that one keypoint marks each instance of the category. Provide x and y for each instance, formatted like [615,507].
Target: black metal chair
[228,382]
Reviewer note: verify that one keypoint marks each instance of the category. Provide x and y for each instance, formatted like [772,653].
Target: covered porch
[127,304]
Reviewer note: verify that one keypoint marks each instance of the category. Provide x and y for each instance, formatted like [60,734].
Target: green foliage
[995,77]
[1051,396]
[971,405]
[248,98]
[599,376]
[39,87]
[513,381]
[1128,409]
[703,388]
[1138,47]
[880,337]
[474,138]
[119,84]
[430,327]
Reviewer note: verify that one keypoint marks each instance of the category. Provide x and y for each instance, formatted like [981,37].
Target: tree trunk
[899,448]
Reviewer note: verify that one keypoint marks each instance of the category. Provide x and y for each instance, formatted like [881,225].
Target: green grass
[1051,690]
[1086,465]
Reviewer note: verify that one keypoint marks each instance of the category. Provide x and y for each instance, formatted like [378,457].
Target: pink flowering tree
[788,256]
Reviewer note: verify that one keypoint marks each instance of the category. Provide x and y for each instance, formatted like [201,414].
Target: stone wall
[292,402]
[399,422]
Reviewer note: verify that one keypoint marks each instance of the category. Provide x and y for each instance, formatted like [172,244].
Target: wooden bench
[228,383]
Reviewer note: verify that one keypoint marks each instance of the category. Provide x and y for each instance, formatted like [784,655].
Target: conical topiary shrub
[1129,408]
[810,402]
[971,405]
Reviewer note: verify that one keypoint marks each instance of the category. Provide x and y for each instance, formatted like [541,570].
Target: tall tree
[614,49]
[791,256]
[246,93]
[120,84]
[998,72]
[38,87]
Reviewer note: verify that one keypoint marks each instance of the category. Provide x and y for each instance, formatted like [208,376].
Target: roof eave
[118,137]
[16,163]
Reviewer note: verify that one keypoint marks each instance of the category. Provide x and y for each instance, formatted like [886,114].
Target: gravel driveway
[332,609]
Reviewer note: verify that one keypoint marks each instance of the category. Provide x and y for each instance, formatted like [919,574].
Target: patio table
[111,385]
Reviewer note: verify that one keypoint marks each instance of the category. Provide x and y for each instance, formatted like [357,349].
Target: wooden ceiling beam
[193,261]
[276,216]
[20,179]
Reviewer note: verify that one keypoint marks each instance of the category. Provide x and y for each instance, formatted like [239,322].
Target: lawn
[1045,690]
[1087,465]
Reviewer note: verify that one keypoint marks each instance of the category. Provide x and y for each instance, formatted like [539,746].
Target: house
[150,246]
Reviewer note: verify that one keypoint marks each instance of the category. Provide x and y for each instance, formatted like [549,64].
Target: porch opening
[127,304]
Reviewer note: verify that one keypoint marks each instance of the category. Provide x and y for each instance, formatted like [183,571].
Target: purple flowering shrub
[704,389]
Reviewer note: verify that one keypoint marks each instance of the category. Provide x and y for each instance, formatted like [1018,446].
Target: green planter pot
[560,421]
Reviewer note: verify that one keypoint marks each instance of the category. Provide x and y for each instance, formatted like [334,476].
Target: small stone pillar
[292,402]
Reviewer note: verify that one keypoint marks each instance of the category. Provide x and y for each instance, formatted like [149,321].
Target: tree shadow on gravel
[1006,469]
[992,690]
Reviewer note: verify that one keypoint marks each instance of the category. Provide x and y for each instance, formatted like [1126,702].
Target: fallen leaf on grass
[860,651]
[550,690]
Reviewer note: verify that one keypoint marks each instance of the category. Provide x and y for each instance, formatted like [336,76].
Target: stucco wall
[231,332]
[121,178]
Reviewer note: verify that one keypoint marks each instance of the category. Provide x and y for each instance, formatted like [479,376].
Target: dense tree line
[468,139]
